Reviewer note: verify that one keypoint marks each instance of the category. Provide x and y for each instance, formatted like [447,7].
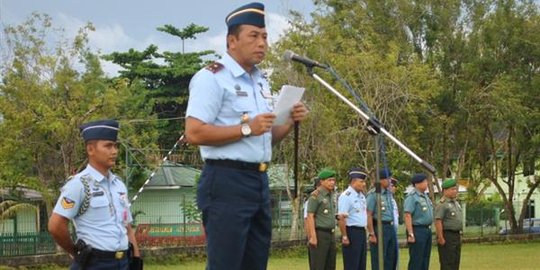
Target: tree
[456,81]
[345,35]
[505,75]
[167,83]
[49,87]
[188,32]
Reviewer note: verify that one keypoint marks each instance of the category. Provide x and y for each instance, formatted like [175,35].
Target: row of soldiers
[356,217]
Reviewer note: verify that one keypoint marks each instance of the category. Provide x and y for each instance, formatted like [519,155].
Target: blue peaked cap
[252,14]
[417,178]
[357,173]
[384,173]
[100,130]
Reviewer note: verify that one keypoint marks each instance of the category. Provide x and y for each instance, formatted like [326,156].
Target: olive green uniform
[449,212]
[322,206]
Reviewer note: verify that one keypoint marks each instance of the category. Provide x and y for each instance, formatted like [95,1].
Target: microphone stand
[374,128]
[296,141]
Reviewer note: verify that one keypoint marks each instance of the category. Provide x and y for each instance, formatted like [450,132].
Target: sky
[124,24]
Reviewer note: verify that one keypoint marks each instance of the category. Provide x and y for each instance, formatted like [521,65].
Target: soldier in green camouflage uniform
[449,226]
[321,223]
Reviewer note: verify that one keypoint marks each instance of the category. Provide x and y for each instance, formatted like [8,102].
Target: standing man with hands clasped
[321,223]
[449,226]
[97,202]
[353,221]
[230,116]
[418,217]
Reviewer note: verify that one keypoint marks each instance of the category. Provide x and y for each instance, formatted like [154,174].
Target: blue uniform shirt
[387,206]
[221,98]
[420,207]
[103,225]
[353,205]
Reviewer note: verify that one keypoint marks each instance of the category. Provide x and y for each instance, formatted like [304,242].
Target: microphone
[289,55]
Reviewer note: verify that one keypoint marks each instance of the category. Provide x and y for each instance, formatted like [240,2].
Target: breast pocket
[244,104]
[99,209]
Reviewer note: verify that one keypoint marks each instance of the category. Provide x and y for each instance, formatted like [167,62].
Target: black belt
[422,226]
[384,222]
[101,254]
[452,231]
[325,230]
[356,228]
[240,165]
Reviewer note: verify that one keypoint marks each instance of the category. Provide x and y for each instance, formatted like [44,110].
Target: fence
[19,244]
[170,222]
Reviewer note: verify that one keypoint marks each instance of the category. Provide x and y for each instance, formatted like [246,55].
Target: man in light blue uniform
[418,217]
[230,116]
[97,202]
[389,232]
[353,221]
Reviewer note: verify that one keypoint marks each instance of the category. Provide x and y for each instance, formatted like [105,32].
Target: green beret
[448,183]
[326,173]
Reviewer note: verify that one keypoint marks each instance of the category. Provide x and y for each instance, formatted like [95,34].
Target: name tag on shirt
[241,93]
[98,193]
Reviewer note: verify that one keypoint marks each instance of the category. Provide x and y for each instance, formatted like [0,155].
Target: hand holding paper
[288,96]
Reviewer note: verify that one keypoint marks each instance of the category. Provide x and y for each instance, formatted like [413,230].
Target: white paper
[288,96]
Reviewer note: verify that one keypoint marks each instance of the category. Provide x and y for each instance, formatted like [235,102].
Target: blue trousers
[102,264]
[389,248]
[236,217]
[354,255]
[420,250]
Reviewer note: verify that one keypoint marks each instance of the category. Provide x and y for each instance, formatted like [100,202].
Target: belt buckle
[263,166]
[119,255]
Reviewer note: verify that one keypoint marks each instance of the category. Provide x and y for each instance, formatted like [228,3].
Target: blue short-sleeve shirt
[420,207]
[103,225]
[387,206]
[221,97]
[353,204]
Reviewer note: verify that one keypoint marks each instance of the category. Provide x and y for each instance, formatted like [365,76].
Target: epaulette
[215,67]
[315,194]
[442,200]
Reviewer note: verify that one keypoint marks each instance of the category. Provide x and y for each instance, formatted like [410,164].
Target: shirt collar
[323,191]
[234,67]
[353,191]
[422,194]
[97,175]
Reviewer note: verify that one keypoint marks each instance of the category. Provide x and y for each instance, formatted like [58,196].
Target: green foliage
[457,82]
[190,210]
[49,87]
[165,76]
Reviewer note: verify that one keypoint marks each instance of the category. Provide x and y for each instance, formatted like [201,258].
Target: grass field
[512,256]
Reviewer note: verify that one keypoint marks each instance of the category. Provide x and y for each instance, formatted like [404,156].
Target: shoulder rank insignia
[215,67]
[315,194]
[67,203]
